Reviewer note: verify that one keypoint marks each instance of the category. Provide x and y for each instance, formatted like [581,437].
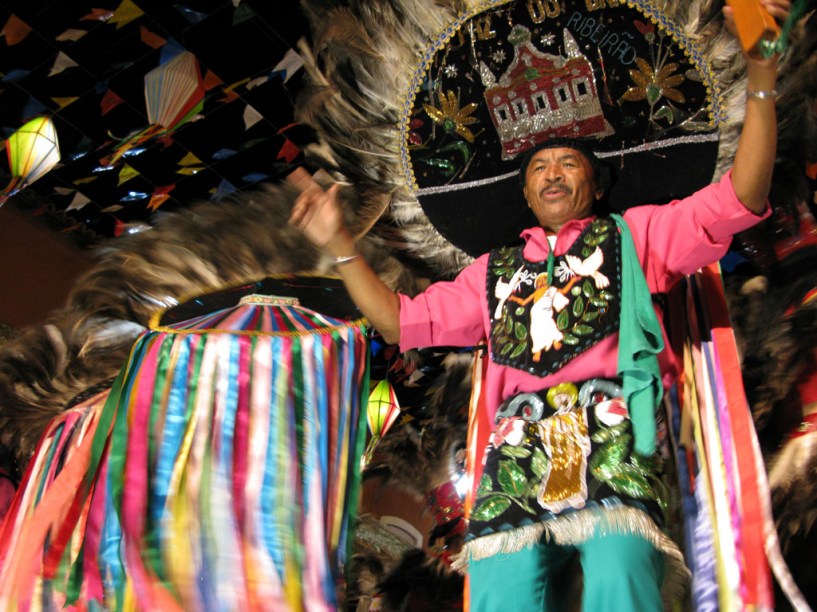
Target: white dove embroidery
[503,290]
[589,267]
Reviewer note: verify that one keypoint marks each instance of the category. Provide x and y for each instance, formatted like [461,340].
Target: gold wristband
[346,259]
[762,94]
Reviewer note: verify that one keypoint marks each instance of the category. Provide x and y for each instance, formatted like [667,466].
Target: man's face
[560,186]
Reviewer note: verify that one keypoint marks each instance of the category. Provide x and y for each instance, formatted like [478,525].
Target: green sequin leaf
[587,251]
[610,457]
[508,325]
[582,330]
[520,331]
[511,477]
[570,339]
[539,462]
[490,508]
[576,290]
[591,316]
[607,433]
[578,307]
[599,302]
[563,320]
[519,452]
[588,289]
[485,485]
[593,241]
[630,482]
[606,295]
[520,348]
[506,349]
[519,311]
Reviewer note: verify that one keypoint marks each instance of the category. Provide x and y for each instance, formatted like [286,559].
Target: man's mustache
[563,187]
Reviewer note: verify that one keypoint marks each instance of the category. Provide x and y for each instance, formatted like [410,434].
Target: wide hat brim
[503,78]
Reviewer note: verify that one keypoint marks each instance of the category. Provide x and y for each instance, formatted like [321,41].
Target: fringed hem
[580,526]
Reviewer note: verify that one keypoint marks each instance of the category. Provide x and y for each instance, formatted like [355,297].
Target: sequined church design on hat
[542,96]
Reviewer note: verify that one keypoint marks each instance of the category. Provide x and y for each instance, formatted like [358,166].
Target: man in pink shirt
[577,362]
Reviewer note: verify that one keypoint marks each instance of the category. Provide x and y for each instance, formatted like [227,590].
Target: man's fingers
[300,179]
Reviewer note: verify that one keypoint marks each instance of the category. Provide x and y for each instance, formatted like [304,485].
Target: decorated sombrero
[506,76]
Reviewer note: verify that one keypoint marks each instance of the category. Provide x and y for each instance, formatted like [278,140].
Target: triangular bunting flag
[63,62]
[189,160]
[125,13]
[71,34]
[225,188]
[98,14]
[15,30]
[150,39]
[289,151]
[288,66]
[110,101]
[79,201]
[127,173]
[242,13]
[171,49]
[160,196]
[210,80]
[63,102]
[251,117]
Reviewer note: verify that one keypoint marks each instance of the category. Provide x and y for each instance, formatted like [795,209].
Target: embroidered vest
[538,327]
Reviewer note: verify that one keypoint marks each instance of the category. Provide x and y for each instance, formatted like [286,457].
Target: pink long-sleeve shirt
[671,241]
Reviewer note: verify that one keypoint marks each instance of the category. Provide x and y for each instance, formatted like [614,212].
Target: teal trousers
[622,573]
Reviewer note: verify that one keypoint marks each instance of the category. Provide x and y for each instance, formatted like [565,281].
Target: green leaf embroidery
[596,240]
[520,348]
[588,289]
[570,339]
[520,331]
[599,302]
[508,325]
[563,320]
[490,507]
[511,477]
[606,295]
[485,485]
[582,330]
[506,349]
[587,251]
[519,452]
[630,482]
[539,462]
[519,311]
[576,290]
[578,307]
[607,433]
[591,316]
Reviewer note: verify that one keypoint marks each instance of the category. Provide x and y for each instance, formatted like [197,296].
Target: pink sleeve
[678,238]
[447,313]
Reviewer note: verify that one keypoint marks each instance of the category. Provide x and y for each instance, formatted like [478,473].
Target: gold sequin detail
[567,445]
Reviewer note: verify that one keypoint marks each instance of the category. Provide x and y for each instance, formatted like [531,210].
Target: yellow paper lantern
[32,150]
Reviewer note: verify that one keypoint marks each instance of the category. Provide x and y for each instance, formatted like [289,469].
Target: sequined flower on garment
[451,117]
[508,431]
[652,85]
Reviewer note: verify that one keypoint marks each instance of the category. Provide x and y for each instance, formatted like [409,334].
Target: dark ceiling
[83,63]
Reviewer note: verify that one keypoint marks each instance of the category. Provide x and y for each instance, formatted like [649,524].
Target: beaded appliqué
[538,327]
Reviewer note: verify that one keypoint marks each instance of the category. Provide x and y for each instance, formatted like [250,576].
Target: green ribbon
[770,47]
[550,263]
[640,342]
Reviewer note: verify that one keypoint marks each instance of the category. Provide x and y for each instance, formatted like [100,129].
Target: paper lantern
[174,91]
[32,150]
[381,413]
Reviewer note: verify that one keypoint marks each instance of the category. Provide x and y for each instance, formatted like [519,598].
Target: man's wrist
[341,246]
